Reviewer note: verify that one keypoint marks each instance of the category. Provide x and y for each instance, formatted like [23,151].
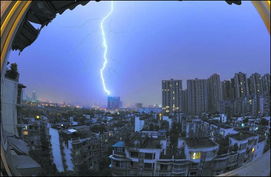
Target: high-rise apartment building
[227,90]
[34,97]
[197,92]
[266,84]
[184,101]
[171,95]
[214,93]
[241,86]
[113,103]
[255,84]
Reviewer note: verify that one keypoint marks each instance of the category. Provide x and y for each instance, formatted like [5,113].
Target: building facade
[197,91]
[214,93]
[171,95]
[113,103]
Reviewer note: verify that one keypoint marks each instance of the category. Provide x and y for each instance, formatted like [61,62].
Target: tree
[12,73]
[98,128]
[164,125]
[263,122]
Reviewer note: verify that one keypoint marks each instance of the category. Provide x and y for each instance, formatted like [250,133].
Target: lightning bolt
[105,48]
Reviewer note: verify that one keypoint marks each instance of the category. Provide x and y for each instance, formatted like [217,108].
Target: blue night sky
[148,42]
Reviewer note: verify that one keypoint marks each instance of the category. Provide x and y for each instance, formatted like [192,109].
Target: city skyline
[170,43]
[217,91]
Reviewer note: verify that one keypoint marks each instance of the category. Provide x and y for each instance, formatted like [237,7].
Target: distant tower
[139,105]
[34,96]
[113,103]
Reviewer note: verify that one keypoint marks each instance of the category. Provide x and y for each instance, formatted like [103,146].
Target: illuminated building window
[25,132]
[253,149]
[195,155]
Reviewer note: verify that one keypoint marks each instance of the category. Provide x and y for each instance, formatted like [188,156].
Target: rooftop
[143,142]
[242,135]
[119,144]
[18,145]
[199,142]
[23,161]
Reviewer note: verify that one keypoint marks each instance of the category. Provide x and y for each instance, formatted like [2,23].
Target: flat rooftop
[143,142]
[199,142]
[119,144]
[242,135]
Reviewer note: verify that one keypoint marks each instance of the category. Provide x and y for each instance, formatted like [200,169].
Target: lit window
[195,155]
[25,132]
[253,149]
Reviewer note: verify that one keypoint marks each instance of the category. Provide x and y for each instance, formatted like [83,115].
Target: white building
[198,149]
[139,124]
[166,118]
[225,131]
[259,150]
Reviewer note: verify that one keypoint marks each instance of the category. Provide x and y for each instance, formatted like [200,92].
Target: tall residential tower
[171,95]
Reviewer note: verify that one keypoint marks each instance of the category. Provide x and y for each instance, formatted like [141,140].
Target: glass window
[195,155]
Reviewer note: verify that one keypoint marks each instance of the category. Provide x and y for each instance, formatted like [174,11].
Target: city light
[253,149]
[196,155]
[25,132]
[105,46]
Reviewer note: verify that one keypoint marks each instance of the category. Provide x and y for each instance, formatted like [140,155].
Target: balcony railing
[259,167]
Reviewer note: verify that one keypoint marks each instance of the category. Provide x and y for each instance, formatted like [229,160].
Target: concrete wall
[259,150]
[9,90]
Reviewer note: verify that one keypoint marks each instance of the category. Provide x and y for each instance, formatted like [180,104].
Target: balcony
[259,167]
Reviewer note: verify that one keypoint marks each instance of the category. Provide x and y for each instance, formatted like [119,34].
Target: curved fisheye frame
[135,88]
